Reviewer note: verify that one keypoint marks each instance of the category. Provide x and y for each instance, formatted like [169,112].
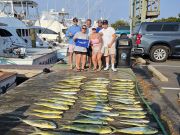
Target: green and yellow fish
[45,124]
[53,105]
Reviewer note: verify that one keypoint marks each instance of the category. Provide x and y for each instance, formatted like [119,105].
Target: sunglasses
[84,28]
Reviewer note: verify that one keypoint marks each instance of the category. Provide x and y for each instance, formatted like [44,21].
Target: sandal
[78,70]
[82,70]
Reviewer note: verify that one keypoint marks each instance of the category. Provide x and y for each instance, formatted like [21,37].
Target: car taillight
[138,39]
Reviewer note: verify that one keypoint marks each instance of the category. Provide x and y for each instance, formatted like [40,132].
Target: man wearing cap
[70,34]
[108,49]
[99,26]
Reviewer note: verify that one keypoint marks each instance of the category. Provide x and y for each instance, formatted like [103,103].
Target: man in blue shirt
[99,26]
[70,34]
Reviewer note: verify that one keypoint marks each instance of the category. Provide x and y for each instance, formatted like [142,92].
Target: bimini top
[12,22]
[29,3]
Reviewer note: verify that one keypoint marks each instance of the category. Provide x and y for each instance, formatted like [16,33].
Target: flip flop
[78,70]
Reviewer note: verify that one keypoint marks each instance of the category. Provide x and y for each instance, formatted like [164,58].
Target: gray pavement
[166,96]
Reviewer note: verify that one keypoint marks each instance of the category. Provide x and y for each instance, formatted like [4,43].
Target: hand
[109,45]
[70,34]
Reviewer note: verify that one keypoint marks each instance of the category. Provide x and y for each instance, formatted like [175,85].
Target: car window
[154,27]
[170,27]
[136,29]
[5,33]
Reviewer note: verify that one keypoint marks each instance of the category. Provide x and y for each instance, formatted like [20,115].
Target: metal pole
[12,8]
[144,10]
[88,9]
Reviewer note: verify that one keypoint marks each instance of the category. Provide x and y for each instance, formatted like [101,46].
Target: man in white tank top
[108,49]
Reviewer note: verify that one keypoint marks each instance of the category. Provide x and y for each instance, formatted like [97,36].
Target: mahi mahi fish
[133,124]
[54,106]
[57,101]
[90,121]
[40,123]
[101,117]
[47,111]
[96,129]
[138,130]
[46,115]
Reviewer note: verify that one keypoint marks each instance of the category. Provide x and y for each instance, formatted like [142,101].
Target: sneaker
[106,68]
[114,70]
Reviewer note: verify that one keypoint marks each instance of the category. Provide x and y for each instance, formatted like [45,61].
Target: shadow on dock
[8,121]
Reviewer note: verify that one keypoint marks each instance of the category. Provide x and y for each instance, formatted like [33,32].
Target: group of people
[90,44]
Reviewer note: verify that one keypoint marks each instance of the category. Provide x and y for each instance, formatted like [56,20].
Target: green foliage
[170,19]
[119,23]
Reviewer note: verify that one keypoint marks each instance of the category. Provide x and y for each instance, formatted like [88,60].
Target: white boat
[52,23]
[16,41]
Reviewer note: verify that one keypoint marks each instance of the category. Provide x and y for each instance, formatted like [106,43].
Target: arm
[75,37]
[68,32]
[112,41]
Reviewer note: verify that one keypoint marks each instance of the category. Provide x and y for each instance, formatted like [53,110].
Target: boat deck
[34,56]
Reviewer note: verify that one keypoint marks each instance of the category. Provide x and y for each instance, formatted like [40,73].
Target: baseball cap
[93,27]
[105,21]
[75,19]
[99,21]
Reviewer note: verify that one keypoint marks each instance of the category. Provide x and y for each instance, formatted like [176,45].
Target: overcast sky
[111,9]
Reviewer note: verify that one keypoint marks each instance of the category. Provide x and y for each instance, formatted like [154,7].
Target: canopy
[29,3]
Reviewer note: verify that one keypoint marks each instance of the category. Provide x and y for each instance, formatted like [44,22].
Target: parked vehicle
[157,39]
[123,29]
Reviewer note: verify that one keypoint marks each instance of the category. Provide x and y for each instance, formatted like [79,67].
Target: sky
[113,10]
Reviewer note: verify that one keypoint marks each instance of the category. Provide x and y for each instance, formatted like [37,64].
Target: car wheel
[159,53]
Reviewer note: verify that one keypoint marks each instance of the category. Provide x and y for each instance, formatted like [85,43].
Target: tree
[119,23]
[170,19]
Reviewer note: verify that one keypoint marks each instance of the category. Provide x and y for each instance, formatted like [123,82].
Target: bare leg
[112,59]
[99,56]
[113,62]
[90,61]
[107,63]
[78,59]
[71,60]
[83,59]
[94,60]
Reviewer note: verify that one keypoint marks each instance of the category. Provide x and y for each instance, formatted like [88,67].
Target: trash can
[123,52]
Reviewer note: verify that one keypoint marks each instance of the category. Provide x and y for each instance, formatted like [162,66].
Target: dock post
[33,37]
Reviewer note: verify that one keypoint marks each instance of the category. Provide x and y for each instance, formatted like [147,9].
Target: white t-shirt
[107,36]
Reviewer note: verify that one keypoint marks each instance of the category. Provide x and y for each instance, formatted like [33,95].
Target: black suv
[157,39]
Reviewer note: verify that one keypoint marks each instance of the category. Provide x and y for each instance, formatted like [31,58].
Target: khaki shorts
[108,51]
[96,50]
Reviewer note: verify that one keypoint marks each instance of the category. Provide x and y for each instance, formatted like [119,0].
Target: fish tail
[63,127]
[36,131]
[82,114]
[114,129]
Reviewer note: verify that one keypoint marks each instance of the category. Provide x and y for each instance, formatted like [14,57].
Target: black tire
[159,53]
